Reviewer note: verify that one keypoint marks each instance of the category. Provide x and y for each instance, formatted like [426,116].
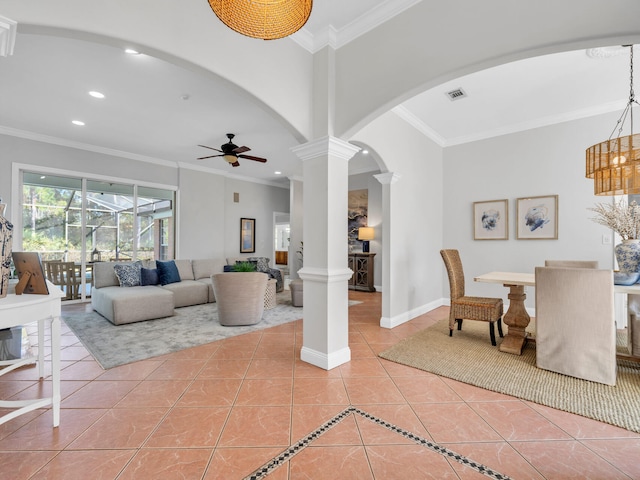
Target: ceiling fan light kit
[231,152]
[265,19]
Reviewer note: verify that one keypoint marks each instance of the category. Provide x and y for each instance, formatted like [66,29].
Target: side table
[24,309]
[270,294]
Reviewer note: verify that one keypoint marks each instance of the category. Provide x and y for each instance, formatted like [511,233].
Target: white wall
[543,161]
[256,201]
[414,280]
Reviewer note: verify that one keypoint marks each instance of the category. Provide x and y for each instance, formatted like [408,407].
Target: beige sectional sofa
[122,305]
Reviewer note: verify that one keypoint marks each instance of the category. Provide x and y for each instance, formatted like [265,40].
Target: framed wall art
[537,218]
[247,235]
[491,220]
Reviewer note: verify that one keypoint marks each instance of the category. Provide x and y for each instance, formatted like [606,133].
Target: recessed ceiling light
[131,51]
[95,94]
[42,177]
[78,122]
[365,152]
[278,173]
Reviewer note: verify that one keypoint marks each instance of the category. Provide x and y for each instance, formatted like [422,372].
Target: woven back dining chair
[484,309]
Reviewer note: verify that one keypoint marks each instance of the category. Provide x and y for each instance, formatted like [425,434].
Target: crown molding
[335,38]
[538,123]
[14,132]
[326,146]
[406,115]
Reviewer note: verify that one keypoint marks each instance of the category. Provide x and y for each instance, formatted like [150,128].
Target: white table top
[508,278]
[529,280]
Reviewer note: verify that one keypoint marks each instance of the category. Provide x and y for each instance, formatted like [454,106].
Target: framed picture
[491,220]
[537,218]
[247,235]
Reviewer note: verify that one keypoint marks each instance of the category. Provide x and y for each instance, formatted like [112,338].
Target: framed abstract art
[491,220]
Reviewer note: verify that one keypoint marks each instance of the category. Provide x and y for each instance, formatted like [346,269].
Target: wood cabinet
[282,257]
[362,266]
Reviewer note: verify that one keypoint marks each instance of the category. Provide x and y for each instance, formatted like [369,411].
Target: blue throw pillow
[149,276]
[167,272]
[128,273]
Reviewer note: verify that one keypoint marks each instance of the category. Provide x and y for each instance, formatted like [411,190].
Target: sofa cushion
[167,272]
[203,269]
[149,276]
[188,292]
[185,269]
[126,305]
[128,273]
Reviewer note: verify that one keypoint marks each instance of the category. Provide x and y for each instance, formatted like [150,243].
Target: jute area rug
[469,358]
[114,345]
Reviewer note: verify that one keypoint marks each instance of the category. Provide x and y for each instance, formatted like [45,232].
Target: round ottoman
[296,292]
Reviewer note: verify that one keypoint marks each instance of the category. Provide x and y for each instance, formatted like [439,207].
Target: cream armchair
[575,324]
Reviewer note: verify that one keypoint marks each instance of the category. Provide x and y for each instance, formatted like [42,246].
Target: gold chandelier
[265,19]
[614,164]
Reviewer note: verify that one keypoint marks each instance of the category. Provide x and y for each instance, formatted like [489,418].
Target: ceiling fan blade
[235,164]
[211,148]
[210,156]
[240,149]
[250,157]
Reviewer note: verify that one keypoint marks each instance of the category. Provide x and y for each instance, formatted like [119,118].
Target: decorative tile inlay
[296,448]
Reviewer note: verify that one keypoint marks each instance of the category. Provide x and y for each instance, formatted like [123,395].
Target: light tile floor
[222,410]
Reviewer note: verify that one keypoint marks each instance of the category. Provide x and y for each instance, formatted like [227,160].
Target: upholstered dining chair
[571,263]
[484,309]
[575,323]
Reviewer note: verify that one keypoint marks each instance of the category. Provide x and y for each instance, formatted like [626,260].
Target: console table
[362,266]
[18,310]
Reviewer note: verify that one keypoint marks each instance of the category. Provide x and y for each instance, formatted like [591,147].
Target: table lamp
[365,234]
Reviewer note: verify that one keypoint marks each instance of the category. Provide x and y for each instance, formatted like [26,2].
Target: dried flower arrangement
[620,217]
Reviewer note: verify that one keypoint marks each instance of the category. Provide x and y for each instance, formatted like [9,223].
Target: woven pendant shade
[265,19]
[614,166]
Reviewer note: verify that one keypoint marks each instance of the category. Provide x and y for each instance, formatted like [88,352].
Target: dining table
[517,318]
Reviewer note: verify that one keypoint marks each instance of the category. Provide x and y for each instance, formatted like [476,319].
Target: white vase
[628,256]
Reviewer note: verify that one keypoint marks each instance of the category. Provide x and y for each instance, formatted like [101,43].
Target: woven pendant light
[614,164]
[265,19]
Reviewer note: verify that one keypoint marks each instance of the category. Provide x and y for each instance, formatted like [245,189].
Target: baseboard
[323,360]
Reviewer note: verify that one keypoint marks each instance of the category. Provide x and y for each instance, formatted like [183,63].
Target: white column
[387,180]
[325,273]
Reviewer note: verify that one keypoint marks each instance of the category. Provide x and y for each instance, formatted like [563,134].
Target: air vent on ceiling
[456,94]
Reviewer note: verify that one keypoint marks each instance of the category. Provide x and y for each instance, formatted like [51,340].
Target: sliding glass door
[80,221]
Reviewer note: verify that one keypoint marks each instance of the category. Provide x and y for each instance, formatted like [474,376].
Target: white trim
[323,360]
[324,275]
[215,171]
[391,322]
[8,30]
[363,24]
[326,145]
[406,115]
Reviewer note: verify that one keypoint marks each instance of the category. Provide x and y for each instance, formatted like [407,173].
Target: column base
[323,360]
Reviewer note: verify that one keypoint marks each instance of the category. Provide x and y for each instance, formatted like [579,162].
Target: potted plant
[624,219]
[244,267]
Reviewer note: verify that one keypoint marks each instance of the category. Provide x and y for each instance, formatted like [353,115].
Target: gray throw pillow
[128,273]
[262,264]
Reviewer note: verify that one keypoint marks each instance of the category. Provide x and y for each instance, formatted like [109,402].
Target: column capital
[388,178]
[326,146]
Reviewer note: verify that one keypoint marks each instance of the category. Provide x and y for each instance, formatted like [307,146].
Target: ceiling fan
[231,153]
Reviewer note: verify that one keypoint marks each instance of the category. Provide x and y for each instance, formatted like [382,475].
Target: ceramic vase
[6,235]
[628,256]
